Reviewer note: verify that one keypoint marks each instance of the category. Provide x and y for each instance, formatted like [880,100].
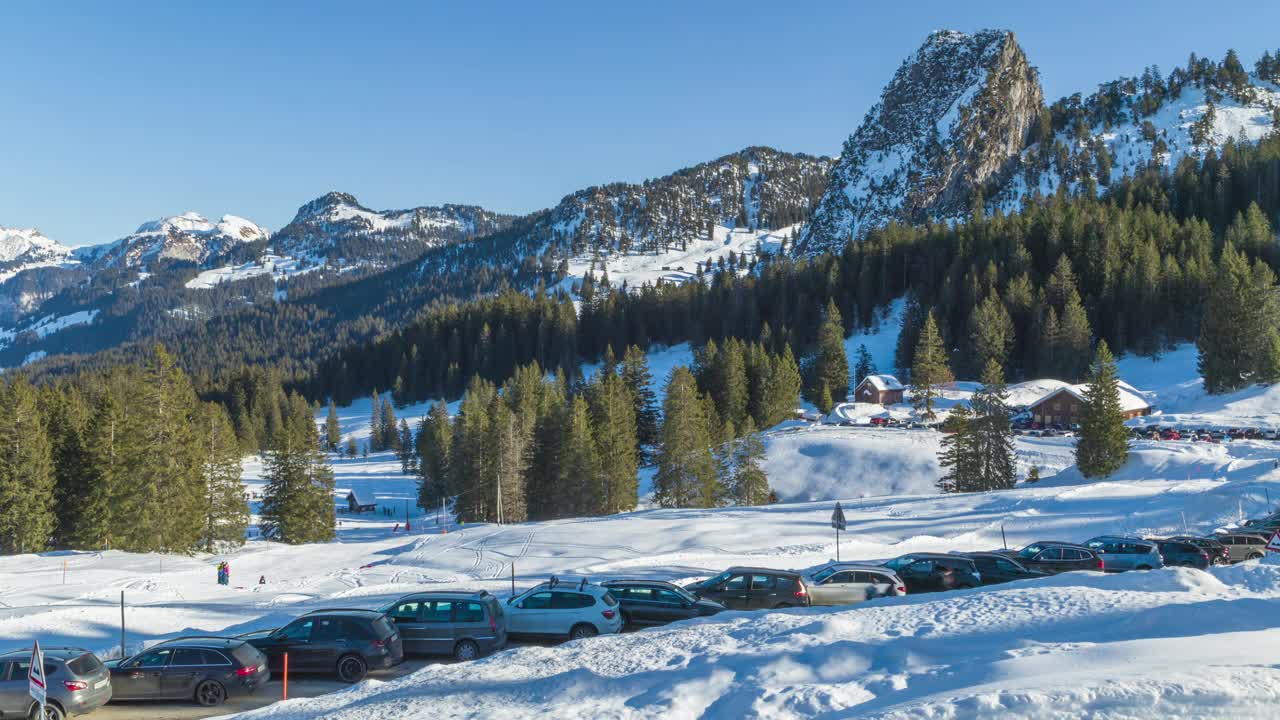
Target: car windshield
[824,573]
[1030,551]
[899,563]
[718,579]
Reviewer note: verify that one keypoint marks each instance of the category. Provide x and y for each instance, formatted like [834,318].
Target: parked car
[466,625]
[76,683]
[748,588]
[931,572]
[1120,553]
[1218,554]
[849,583]
[563,609]
[207,670]
[1244,546]
[1182,554]
[653,602]
[1053,557]
[995,568]
[345,642]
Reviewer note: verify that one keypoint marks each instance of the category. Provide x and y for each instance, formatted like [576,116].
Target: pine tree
[1073,338]
[434,440]
[547,466]
[389,430]
[1238,335]
[375,424]
[580,487]
[991,332]
[638,380]
[226,514]
[332,430]
[352,448]
[686,475]
[1103,446]
[782,393]
[508,464]
[297,505]
[405,447]
[614,423]
[26,472]
[865,367]
[930,368]
[830,367]
[79,509]
[992,442]
[94,523]
[468,457]
[750,482]
[958,456]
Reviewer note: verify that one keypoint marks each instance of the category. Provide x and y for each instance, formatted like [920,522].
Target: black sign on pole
[837,522]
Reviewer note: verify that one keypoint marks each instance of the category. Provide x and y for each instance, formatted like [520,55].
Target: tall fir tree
[226,513]
[614,423]
[27,519]
[930,368]
[865,367]
[750,481]
[434,439]
[332,430]
[782,392]
[687,474]
[1103,445]
[639,380]
[81,512]
[830,366]
[375,424]
[298,504]
[992,434]
[1239,333]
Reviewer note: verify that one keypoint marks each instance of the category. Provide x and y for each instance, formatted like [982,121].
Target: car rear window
[382,627]
[609,599]
[85,664]
[468,612]
[247,655]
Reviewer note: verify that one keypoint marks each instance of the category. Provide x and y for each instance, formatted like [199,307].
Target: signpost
[35,677]
[1273,544]
[837,522]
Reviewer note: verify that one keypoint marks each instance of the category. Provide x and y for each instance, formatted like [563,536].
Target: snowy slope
[24,249]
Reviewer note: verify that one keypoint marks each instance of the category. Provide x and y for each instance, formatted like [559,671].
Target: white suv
[559,608]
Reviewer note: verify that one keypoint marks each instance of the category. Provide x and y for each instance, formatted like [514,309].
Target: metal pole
[406,517]
[837,543]
[1003,541]
[513,579]
[123,655]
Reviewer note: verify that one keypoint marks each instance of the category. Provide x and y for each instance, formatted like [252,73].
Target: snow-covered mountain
[189,237]
[22,249]
[955,116]
[338,228]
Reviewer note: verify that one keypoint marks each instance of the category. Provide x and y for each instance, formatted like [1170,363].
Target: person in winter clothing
[262,579]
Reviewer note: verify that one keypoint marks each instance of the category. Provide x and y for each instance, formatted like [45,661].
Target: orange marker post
[286,677]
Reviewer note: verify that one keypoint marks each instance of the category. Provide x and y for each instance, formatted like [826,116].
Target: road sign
[35,676]
[837,518]
[1274,544]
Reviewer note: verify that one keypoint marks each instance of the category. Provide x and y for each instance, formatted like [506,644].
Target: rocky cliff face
[955,117]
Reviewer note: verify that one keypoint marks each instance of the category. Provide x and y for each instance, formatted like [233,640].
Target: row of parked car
[466,625]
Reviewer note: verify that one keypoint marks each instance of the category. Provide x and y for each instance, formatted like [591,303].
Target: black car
[1182,554]
[747,588]
[653,602]
[464,624]
[1218,553]
[932,572]
[207,670]
[1053,557]
[995,568]
[346,642]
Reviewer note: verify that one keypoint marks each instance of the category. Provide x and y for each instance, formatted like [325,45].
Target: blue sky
[115,113]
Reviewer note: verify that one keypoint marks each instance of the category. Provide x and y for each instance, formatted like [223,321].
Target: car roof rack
[190,638]
[339,610]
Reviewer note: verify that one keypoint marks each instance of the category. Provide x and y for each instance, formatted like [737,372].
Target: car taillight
[74,685]
[1205,556]
[247,671]
[1101,565]
[902,589]
[379,643]
[801,591]
[608,614]
[493,625]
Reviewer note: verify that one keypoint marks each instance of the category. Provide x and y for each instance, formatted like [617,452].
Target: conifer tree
[639,381]
[79,509]
[468,457]
[579,491]
[96,518]
[686,475]
[434,440]
[958,456]
[1073,338]
[992,434]
[352,448]
[405,447]
[991,332]
[930,368]
[1103,445]
[830,367]
[782,392]
[507,463]
[750,482]
[298,504]
[614,423]
[1238,335]
[26,472]
[375,424]
[389,430]
[547,466]
[226,513]
[332,430]
[865,367]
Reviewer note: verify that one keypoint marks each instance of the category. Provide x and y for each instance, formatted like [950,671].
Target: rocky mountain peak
[955,116]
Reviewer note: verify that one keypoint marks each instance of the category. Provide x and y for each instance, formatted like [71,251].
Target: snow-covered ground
[676,265]
[277,266]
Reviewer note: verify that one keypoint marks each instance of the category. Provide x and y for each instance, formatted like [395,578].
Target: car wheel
[352,668]
[466,651]
[1255,556]
[51,712]
[583,630]
[210,693]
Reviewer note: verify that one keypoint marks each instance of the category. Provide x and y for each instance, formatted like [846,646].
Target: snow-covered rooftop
[884,382]
[1129,400]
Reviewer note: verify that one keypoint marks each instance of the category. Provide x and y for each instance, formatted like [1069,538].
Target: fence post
[123,654]
[286,677]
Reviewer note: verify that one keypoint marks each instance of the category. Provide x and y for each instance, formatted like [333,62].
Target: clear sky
[113,113]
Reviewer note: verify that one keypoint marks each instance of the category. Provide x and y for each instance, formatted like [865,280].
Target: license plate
[101,684]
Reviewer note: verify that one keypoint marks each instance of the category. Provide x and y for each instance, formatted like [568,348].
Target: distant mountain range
[962,120]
